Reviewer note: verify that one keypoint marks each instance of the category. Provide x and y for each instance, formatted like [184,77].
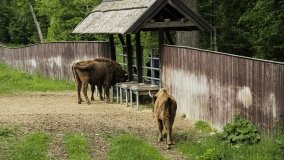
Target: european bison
[164,112]
[101,72]
[79,83]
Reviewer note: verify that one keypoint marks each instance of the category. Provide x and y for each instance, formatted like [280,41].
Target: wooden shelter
[132,16]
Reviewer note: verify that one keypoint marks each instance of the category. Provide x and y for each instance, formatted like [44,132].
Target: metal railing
[150,68]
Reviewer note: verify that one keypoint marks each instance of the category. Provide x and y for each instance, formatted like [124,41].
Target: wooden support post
[161,41]
[169,37]
[124,48]
[121,39]
[112,47]
[161,38]
[139,57]
[129,57]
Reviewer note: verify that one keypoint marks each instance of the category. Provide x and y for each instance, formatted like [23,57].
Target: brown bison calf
[164,112]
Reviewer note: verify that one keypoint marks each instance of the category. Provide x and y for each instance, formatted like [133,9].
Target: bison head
[120,76]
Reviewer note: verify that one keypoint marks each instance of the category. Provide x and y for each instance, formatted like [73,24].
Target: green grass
[130,147]
[32,147]
[15,81]
[198,144]
[7,139]
[203,126]
[77,146]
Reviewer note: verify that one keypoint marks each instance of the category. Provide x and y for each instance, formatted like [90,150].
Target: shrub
[241,131]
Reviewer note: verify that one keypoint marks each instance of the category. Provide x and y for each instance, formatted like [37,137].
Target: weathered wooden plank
[213,86]
[170,24]
[53,59]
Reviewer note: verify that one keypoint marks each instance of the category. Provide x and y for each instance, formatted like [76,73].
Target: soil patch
[58,113]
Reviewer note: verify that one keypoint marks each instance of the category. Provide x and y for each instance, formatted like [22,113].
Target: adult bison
[101,72]
[164,112]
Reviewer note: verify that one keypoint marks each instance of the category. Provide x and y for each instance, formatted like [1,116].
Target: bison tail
[171,106]
[75,74]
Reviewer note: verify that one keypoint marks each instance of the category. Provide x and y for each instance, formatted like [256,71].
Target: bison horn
[150,94]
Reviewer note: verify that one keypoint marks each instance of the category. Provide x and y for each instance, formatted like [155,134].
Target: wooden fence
[53,59]
[213,86]
[210,86]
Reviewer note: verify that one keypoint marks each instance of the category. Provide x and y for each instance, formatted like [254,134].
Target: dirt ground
[58,113]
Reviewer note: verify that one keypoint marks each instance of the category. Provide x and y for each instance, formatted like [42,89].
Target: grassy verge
[14,81]
[211,148]
[31,147]
[129,147]
[7,138]
[200,144]
[77,146]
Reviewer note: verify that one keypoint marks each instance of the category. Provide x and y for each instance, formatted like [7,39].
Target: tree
[21,24]
[36,21]
[63,16]
[188,38]
[264,23]
[4,20]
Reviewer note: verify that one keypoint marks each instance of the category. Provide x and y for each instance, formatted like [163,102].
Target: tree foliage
[57,19]
[250,28]
[265,23]
[63,16]
[4,20]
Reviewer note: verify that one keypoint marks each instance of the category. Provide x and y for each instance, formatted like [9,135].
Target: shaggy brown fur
[101,72]
[79,83]
[164,112]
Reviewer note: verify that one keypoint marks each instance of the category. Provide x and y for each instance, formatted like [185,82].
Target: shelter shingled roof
[131,16]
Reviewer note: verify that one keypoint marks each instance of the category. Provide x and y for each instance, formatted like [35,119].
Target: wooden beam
[124,48]
[170,24]
[129,52]
[161,41]
[170,12]
[169,37]
[139,57]
[121,39]
[112,47]
[198,20]
[151,12]
[161,37]
[171,29]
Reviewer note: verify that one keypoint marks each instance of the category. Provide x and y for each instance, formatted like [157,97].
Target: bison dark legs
[100,88]
[85,88]
[92,91]
[106,89]
[160,125]
[79,86]
[168,129]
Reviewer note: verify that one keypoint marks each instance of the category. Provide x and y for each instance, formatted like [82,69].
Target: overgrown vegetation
[77,146]
[202,143]
[130,147]
[240,132]
[14,81]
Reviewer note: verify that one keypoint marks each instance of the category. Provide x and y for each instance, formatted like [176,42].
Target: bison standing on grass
[101,72]
[164,112]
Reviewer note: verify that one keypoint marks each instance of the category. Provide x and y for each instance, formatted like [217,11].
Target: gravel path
[58,113]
